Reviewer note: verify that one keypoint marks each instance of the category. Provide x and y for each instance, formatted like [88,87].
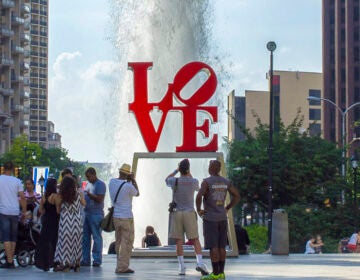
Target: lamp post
[41,182]
[26,170]
[355,164]
[343,130]
[271,46]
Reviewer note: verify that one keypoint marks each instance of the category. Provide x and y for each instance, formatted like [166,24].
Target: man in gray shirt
[184,218]
[213,195]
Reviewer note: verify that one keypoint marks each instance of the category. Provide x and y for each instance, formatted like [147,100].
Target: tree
[306,179]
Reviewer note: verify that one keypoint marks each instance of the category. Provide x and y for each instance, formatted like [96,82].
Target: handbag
[107,223]
[172,204]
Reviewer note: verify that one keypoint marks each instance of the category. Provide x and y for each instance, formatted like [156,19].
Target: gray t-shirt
[184,193]
[214,198]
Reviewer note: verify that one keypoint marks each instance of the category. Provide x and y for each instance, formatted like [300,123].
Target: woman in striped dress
[68,248]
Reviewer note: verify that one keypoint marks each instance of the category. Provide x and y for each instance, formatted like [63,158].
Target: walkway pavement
[297,266]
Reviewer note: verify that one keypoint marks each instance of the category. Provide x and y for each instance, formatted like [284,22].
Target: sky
[82,67]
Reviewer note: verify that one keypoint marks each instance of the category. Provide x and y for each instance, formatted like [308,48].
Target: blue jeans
[92,229]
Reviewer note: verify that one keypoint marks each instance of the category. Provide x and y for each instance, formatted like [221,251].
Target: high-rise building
[14,71]
[341,67]
[23,71]
[39,72]
[291,90]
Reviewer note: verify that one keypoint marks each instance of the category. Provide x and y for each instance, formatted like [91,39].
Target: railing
[8,4]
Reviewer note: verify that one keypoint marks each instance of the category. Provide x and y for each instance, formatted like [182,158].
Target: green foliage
[306,182]
[258,238]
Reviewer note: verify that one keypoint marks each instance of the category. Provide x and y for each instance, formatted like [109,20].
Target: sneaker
[182,270]
[94,264]
[84,264]
[202,268]
[211,276]
[7,265]
[222,276]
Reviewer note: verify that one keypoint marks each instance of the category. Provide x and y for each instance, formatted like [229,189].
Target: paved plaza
[296,266]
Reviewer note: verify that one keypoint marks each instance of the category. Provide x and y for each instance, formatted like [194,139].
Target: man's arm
[235,197]
[199,196]
[133,181]
[22,203]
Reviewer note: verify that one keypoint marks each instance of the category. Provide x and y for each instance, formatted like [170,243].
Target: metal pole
[270,149]
[355,200]
[343,143]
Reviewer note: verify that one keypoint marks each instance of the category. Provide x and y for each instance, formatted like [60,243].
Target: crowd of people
[71,235]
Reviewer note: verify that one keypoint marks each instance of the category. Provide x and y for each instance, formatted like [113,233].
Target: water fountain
[169,34]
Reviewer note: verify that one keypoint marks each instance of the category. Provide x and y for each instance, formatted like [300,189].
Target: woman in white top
[310,245]
[354,241]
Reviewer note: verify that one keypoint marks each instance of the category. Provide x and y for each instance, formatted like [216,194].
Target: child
[310,245]
[318,250]
[150,238]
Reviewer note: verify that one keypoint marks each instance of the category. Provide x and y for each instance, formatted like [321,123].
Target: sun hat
[125,168]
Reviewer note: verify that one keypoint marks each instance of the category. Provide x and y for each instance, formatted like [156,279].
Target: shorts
[183,221]
[8,228]
[352,247]
[215,234]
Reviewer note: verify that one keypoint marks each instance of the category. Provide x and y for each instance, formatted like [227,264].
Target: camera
[172,206]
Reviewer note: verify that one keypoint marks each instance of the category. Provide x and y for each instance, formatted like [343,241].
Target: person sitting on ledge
[150,238]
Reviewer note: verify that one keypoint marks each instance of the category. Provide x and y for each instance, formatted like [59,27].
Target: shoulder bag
[107,224]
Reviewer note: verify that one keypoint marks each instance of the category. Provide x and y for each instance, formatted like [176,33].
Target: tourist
[94,194]
[68,248]
[45,247]
[150,238]
[11,189]
[354,242]
[122,190]
[184,219]
[213,193]
[311,245]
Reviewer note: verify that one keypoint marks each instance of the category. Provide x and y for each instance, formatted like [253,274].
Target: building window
[343,95]
[356,13]
[356,53]
[356,94]
[356,74]
[315,93]
[314,129]
[314,114]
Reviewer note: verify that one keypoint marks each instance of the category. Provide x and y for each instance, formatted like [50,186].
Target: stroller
[28,235]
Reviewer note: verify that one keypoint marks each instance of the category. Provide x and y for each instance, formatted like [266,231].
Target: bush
[258,238]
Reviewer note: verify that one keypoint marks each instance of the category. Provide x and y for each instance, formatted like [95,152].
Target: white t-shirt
[123,206]
[309,249]
[10,187]
[353,239]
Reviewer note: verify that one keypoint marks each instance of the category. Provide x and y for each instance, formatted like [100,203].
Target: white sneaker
[202,268]
[182,270]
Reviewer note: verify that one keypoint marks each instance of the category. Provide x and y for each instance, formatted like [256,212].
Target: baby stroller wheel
[23,258]
[2,256]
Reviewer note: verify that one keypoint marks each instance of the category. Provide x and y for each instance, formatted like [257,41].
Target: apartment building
[341,67]
[291,92]
[14,71]
[23,71]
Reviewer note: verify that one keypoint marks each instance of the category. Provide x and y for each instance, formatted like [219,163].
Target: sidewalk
[297,266]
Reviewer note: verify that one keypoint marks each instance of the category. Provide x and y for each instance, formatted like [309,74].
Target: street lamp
[271,46]
[343,131]
[355,163]
[41,182]
[26,170]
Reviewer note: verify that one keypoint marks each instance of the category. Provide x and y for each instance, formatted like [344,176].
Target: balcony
[34,21]
[34,117]
[8,122]
[5,61]
[34,85]
[34,107]
[25,95]
[26,82]
[43,2]
[35,11]
[27,26]
[42,76]
[42,96]
[43,23]
[44,34]
[6,91]
[42,118]
[34,75]
[34,43]
[24,66]
[26,53]
[25,9]
[43,65]
[17,50]
[42,128]
[16,79]
[42,107]
[8,4]
[25,37]
[7,32]
[17,20]
[17,108]
[26,110]
[24,123]
[43,44]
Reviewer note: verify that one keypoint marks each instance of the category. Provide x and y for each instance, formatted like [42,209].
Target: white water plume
[169,33]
